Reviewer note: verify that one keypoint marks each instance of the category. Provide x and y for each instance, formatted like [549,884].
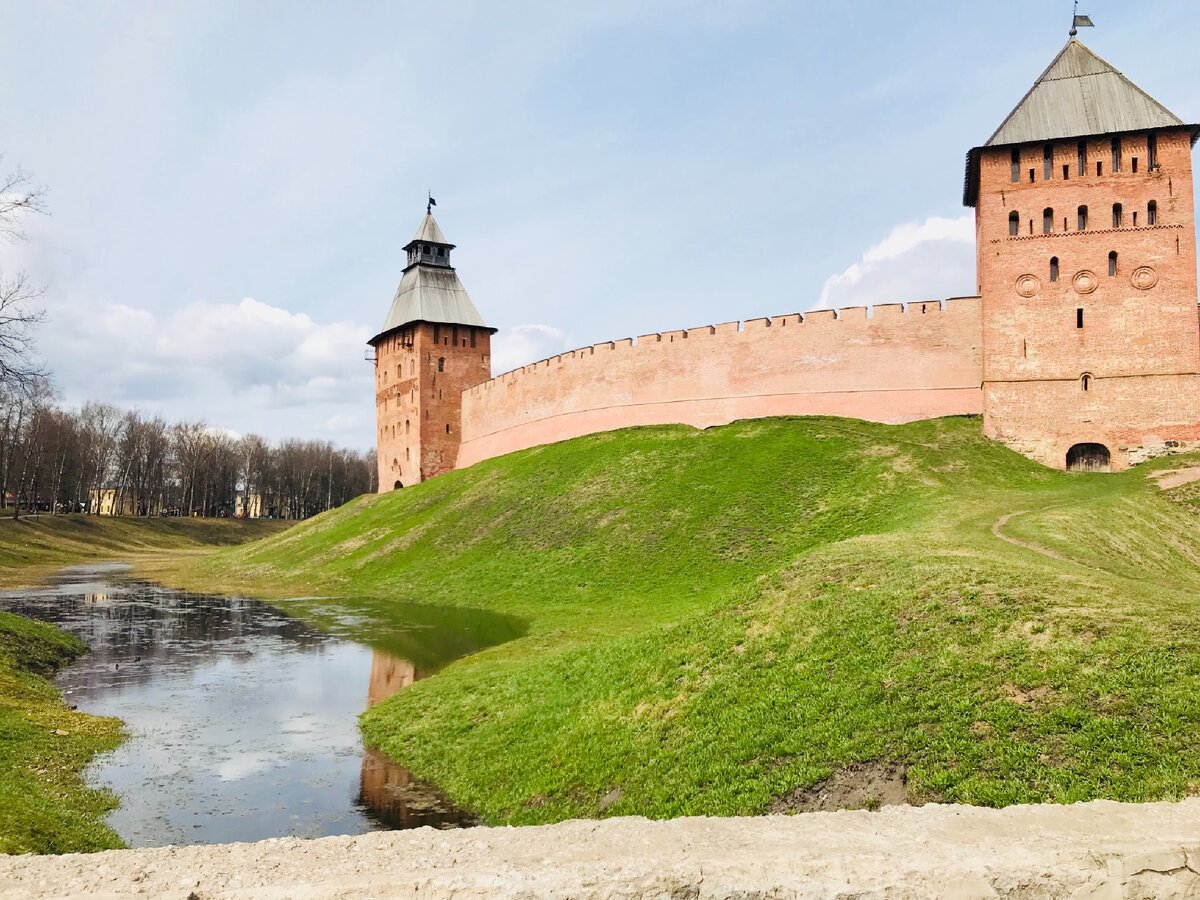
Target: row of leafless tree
[103,459]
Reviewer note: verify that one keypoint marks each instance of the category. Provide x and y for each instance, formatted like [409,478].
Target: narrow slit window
[1016,165]
[1054,268]
[1083,218]
[1032,175]
[1079,317]
[1085,382]
[1118,215]
[1047,220]
[1116,155]
[1135,218]
[1152,213]
[1152,151]
[1047,162]
[1112,264]
[1133,164]
[1014,223]
[1082,158]
[441,364]
[1099,167]
[1066,173]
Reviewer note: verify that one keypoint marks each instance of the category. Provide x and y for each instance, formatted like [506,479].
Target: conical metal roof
[1081,94]
[429,231]
[430,291]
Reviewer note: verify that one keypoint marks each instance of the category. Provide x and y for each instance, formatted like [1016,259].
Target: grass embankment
[44,805]
[33,546]
[719,620]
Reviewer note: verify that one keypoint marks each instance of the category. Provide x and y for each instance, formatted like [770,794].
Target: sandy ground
[1172,478]
[1096,850]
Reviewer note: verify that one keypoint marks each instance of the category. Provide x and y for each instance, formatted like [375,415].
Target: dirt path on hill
[1099,849]
[1173,478]
[998,531]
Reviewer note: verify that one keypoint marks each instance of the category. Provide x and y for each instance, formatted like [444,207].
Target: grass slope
[44,805]
[32,546]
[719,619]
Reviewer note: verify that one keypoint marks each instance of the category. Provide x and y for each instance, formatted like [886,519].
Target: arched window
[1085,382]
[1047,162]
[441,364]
[1118,215]
[407,426]
[1112,263]
[1047,220]
[1054,268]
[1083,218]
[1016,165]
[1014,223]
[1152,213]
[1082,158]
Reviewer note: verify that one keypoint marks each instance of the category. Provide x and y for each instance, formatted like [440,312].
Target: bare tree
[20,312]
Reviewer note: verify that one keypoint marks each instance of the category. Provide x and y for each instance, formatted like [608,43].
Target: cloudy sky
[231,182]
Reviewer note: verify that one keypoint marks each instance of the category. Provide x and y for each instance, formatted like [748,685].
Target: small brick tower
[1087,268]
[433,346]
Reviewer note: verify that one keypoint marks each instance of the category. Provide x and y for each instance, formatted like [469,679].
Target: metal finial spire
[1078,21]
[431,203]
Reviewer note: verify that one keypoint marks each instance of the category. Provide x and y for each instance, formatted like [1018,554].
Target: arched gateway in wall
[1059,293]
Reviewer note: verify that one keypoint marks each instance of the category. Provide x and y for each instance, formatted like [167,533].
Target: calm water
[242,719]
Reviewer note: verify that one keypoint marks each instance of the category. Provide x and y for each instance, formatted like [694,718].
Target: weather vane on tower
[1078,21]
[430,204]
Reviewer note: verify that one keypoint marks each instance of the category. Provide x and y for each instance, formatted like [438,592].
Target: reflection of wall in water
[389,791]
[389,675]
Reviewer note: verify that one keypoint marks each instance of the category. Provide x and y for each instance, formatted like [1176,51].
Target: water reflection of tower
[388,791]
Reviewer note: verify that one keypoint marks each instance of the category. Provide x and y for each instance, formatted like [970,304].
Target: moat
[242,720]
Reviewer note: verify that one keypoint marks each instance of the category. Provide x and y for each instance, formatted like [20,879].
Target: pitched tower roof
[1079,94]
[430,290]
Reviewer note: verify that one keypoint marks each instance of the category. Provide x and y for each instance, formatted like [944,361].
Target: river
[242,720]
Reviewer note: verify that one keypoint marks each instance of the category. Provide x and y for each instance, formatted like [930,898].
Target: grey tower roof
[429,231]
[1078,95]
[430,290]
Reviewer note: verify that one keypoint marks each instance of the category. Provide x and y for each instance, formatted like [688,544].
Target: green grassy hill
[719,620]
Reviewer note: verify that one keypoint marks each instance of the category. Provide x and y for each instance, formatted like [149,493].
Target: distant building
[248,507]
[1081,348]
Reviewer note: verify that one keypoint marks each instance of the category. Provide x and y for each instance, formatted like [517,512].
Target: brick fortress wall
[1134,333]
[899,364]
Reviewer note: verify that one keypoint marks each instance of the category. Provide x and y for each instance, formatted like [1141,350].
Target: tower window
[1099,167]
[1047,220]
[1082,158]
[447,428]
[407,426]
[1054,268]
[1014,223]
[1133,164]
[1079,317]
[1112,264]
[1085,382]
[1152,151]
[1118,215]
[1135,218]
[1047,162]
[1083,218]
[1116,154]
[1032,175]
[441,364]
[1066,172]
[1016,165]
[1152,213]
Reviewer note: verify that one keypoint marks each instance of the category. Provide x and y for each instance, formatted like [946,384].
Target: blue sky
[231,183]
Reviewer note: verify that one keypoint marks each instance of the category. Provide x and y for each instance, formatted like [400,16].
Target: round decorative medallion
[1028,285]
[1084,282]
[1143,278]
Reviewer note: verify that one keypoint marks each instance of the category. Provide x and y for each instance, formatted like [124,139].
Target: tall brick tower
[433,346]
[1087,268]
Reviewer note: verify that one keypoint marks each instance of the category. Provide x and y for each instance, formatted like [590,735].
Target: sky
[230,184]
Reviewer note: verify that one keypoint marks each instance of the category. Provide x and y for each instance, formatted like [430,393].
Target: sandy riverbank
[1099,849]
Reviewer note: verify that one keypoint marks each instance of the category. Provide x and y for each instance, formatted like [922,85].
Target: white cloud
[522,344]
[917,260]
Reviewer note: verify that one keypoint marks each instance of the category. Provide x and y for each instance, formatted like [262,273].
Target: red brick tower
[1087,267]
[433,346]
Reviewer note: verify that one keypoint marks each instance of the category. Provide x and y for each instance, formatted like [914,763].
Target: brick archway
[1089,458]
